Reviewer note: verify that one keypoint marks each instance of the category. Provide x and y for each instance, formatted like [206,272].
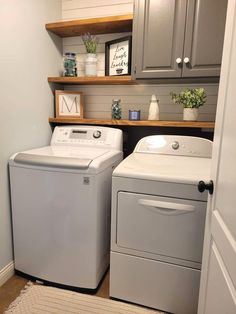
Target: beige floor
[11,289]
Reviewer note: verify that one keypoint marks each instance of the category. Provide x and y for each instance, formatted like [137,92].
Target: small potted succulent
[91,43]
[191,99]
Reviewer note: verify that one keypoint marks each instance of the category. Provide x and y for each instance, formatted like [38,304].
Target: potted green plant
[91,43]
[191,99]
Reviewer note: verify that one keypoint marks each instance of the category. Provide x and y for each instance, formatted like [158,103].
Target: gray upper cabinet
[204,35]
[178,38]
[158,37]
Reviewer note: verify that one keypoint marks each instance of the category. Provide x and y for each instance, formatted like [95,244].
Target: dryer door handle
[167,208]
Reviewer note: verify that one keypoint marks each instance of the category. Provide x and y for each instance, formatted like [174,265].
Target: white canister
[190,114]
[153,113]
[91,64]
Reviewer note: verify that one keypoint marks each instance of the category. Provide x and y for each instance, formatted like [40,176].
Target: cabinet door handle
[186,60]
[178,60]
[166,208]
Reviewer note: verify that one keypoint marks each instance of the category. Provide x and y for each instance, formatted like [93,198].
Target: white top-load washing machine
[158,218]
[61,205]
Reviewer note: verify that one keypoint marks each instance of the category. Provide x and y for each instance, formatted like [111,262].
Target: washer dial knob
[97,134]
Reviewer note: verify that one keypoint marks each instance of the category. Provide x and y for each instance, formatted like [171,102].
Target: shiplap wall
[98,99]
[78,9]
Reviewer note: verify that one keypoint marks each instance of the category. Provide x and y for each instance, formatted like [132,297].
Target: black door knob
[202,186]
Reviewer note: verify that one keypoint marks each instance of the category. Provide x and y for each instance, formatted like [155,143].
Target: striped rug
[44,300]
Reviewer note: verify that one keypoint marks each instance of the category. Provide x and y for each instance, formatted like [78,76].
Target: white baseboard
[6,273]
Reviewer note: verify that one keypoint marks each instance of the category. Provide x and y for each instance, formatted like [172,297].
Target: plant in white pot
[191,99]
[91,43]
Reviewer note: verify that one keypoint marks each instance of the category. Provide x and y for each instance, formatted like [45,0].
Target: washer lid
[60,157]
[179,169]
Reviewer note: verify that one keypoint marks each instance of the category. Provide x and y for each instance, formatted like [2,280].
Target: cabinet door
[158,38]
[205,25]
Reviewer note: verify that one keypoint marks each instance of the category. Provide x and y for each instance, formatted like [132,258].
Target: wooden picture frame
[118,56]
[69,104]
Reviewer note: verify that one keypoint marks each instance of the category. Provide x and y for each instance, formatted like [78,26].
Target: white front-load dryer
[60,198]
[158,218]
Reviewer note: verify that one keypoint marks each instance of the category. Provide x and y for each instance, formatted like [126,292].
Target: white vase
[153,113]
[91,64]
[190,114]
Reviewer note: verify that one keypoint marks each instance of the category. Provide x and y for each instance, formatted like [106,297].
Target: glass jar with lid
[70,66]
[116,109]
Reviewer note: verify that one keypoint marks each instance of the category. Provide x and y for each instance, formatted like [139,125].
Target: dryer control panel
[175,145]
[87,136]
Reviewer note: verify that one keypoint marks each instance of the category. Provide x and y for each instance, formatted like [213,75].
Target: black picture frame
[109,51]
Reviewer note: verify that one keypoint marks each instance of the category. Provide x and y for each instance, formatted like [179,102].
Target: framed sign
[118,56]
[69,104]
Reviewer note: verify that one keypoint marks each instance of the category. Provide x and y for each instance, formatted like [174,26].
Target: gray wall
[27,56]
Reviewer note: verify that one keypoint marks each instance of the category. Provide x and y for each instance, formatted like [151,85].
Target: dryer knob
[175,145]
[97,134]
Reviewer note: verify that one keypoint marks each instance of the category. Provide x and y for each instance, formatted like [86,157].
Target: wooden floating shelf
[159,123]
[98,80]
[104,25]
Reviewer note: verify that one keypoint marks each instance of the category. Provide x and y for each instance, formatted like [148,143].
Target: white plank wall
[98,99]
[79,9]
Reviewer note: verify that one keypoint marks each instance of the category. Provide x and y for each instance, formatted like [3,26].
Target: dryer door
[159,225]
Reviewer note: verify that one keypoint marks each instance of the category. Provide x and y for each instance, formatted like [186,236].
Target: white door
[218,281]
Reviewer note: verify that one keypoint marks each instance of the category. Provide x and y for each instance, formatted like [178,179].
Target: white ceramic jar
[91,64]
[190,114]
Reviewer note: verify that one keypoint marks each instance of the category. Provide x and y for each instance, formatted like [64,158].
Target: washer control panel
[87,135]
